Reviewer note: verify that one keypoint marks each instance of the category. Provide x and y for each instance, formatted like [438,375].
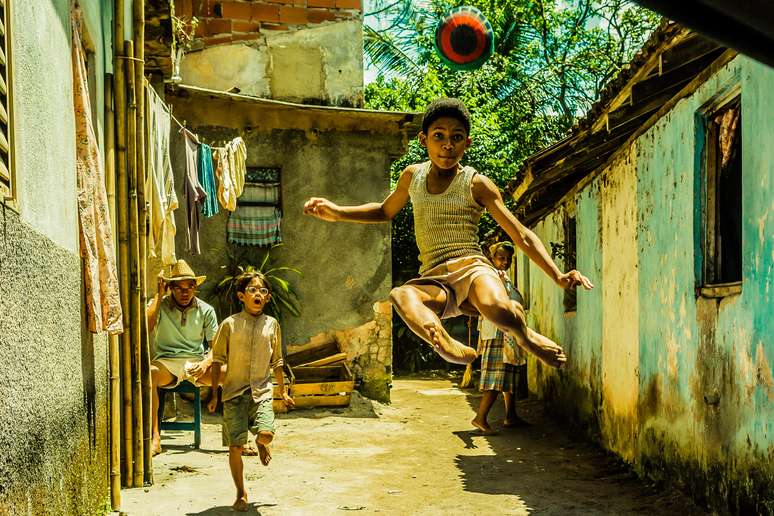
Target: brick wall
[227,21]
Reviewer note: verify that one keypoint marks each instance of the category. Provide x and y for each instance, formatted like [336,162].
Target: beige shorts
[456,277]
[176,366]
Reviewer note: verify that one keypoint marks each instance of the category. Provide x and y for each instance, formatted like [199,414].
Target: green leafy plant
[284,299]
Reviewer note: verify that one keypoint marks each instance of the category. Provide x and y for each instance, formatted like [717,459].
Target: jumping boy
[249,344]
[456,278]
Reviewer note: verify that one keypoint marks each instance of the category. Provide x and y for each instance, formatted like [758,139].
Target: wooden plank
[678,76]
[311,353]
[689,49]
[323,373]
[333,359]
[721,290]
[323,401]
[306,389]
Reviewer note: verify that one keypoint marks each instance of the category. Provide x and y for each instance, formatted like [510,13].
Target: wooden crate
[327,386]
[277,403]
[315,355]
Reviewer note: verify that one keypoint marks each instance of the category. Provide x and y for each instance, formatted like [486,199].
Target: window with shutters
[7,187]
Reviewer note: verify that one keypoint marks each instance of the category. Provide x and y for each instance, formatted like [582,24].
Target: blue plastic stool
[196,425]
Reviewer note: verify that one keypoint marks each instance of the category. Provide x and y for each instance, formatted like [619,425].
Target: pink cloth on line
[100,277]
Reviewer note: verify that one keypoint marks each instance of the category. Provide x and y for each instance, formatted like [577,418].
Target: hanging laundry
[103,303]
[232,167]
[254,225]
[193,192]
[207,180]
[160,181]
[238,164]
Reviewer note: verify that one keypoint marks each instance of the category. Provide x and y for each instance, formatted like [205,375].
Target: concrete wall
[319,64]
[678,385]
[346,267]
[53,378]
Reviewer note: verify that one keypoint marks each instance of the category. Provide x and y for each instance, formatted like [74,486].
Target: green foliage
[283,298]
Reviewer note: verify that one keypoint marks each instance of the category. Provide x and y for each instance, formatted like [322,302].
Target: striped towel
[254,225]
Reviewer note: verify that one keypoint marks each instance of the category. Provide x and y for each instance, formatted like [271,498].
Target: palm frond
[389,53]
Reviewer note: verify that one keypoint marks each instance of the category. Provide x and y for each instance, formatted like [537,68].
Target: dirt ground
[418,455]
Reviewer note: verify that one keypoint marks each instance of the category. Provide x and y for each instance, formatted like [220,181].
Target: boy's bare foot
[264,452]
[241,503]
[156,446]
[545,349]
[483,427]
[450,350]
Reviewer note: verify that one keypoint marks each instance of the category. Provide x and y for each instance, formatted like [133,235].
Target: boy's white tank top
[446,224]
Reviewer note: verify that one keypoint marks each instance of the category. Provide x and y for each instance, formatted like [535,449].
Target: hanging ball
[464,39]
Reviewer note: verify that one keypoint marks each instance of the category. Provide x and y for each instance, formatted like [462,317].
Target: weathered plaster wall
[679,385]
[53,381]
[346,267]
[53,377]
[319,64]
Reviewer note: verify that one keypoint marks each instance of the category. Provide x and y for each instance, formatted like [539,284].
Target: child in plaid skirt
[503,362]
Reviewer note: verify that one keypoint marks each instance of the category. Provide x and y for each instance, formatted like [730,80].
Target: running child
[249,343]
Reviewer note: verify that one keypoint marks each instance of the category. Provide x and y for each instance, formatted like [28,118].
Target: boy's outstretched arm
[371,212]
[488,195]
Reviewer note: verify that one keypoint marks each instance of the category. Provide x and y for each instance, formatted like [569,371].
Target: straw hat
[182,271]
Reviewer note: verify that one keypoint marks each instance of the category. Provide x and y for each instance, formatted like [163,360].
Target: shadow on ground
[544,459]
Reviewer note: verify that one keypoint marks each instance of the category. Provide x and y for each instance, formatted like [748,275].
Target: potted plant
[284,299]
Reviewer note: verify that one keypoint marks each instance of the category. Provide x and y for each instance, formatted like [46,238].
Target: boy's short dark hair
[507,246]
[442,107]
[245,278]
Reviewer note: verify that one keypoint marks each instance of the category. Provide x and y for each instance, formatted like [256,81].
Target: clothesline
[166,108]
[182,126]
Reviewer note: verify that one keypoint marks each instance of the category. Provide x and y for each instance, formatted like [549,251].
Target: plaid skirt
[496,375]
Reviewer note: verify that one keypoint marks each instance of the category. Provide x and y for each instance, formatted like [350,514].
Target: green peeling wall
[680,386]
[53,373]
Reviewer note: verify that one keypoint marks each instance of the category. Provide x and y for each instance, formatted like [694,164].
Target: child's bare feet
[264,451]
[241,503]
[545,349]
[450,350]
[483,427]
[156,446]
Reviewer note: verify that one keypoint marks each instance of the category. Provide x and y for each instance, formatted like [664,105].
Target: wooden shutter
[6,169]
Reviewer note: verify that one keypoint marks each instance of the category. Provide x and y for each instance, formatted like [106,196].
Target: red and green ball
[464,39]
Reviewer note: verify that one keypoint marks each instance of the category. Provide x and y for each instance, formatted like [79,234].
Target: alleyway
[416,456]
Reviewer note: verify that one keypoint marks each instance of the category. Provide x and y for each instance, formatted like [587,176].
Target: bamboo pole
[123,244]
[134,278]
[114,349]
[139,73]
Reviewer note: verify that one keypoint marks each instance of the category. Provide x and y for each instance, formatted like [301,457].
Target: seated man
[178,325]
